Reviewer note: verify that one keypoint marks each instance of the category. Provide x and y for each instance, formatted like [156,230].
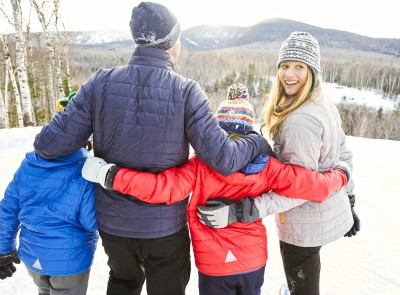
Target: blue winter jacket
[54,209]
[143,116]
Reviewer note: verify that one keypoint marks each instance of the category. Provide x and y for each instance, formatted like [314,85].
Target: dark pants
[240,284]
[163,262]
[302,267]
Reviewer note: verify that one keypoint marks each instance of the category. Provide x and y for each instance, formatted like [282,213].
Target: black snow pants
[302,267]
[163,262]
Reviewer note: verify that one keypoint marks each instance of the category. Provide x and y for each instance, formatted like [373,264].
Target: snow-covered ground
[365,97]
[367,264]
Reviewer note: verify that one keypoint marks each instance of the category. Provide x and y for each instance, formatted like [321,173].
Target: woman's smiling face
[293,76]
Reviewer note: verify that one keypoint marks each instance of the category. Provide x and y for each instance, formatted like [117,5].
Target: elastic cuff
[352,200]
[110,176]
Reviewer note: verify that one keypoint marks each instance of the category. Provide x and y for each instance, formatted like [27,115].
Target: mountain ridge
[271,31]
[205,37]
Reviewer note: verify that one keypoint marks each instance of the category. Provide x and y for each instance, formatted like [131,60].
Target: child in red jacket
[234,257]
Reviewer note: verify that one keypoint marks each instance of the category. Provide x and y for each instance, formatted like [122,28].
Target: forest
[37,69]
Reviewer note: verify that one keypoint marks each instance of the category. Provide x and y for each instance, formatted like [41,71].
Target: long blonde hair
[274,117]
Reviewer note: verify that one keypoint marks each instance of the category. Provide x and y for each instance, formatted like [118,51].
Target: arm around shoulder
[272,203]
[170,186]
[70,128]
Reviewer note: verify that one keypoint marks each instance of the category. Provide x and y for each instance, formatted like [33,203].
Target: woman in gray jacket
[306,129]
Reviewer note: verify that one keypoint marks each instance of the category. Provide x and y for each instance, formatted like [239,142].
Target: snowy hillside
[366,264]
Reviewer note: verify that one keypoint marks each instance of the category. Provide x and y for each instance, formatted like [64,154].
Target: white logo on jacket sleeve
[37,264]
[230,257]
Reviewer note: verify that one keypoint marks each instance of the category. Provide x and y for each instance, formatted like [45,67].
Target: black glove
[357,225]
[224,212]
[7,261]
[266,147]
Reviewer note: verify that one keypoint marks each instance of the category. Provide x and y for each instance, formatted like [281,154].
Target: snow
[366,264]
[342,94]
[100,37]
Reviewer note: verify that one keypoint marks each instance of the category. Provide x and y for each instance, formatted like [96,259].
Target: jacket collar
[74,157]
[249,175]
[152,57]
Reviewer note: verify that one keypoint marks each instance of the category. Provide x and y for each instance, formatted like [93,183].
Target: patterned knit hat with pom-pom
[236,114]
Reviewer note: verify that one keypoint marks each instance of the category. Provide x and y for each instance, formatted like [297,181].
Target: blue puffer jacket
[143,116]
[54,209]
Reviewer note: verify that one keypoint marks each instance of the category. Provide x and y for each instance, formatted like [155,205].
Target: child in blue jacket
[53,209]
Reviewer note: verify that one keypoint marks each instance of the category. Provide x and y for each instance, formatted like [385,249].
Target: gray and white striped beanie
[303,47]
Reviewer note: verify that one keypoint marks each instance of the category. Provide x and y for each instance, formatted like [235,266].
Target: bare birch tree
[65,56]
[46,15]
[26,102]
[10,72]
[6,80]
[63,45]
[3,113]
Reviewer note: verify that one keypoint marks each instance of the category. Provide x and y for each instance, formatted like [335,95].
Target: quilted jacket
[312,137]
[54,209]
[240,247]
[143,116]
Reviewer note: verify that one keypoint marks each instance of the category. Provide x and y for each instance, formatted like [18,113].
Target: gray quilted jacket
[312,137]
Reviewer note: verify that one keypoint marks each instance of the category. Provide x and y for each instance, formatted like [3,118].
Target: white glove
[95,170]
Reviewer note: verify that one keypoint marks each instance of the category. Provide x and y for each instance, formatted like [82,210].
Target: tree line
[215,71]
[35,68]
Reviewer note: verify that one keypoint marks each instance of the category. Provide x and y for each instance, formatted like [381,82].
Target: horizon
[216,26]
[376,19]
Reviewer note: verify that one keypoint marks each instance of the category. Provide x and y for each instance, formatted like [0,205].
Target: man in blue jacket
[144,116]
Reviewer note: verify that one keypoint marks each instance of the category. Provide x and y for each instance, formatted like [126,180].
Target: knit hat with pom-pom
[236,114]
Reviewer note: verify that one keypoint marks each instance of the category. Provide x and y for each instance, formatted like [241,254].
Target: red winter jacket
[240,247]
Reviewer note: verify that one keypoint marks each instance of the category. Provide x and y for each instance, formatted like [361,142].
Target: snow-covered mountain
[100,37]
[273,31]
[276,30]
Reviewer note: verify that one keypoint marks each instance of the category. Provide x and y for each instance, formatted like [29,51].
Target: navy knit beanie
[154,25]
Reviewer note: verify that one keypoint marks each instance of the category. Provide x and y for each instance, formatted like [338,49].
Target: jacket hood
[248,174]
[74,157]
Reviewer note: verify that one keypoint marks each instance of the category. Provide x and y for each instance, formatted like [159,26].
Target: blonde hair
[273,117]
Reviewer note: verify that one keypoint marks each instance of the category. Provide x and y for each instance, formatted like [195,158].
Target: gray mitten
[224,212]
